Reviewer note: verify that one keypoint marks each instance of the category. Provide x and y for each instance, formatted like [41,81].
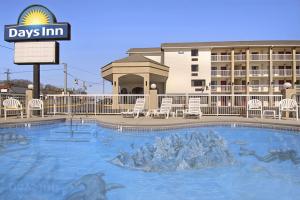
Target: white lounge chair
[137,110]
[35,104]
[288,105]
[254,105]
[194,108]
[11,104]
[165,108]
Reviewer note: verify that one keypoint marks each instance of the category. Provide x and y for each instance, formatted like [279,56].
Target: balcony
[258,88]
[260,72]
[240,57]
[277,88]
[282,57]
[259,57]
[240,88]
[298,72]
[220,73]
[282,72]
[298,57]
[220,58]
[220,88]
[239,73]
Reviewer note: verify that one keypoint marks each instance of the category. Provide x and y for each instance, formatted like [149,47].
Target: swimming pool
[58,161]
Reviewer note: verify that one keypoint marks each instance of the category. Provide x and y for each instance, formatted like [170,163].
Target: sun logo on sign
[35,17]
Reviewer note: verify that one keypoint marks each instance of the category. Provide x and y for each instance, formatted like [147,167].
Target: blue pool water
[52,160]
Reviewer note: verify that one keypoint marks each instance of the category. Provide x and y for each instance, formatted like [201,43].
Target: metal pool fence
[115,104]
[100,104]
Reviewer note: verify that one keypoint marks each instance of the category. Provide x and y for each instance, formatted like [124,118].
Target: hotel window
[194,52]
[194,59]
[214,82]
[198,83]
[194,68]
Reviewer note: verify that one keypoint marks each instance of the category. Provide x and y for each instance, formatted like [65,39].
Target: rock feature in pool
[273,155]
[94,188]
[178,152]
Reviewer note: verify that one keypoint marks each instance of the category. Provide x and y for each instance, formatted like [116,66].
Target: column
[115,86]
[232,77]
[247,70]
[294,79]
[271,84]
[146,83]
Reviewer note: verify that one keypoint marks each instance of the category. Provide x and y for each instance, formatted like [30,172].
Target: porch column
[232,77]
[247,70]
[294,69]
[115,86]
[146,83]
[271,83]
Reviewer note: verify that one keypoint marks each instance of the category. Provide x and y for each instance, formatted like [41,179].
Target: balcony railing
[278,88]
[258,88]
[239,73]
[222,58]
[240,57]
[240,88]
[298,72]
[282,72]
[259,57]
[259,72]
[282,57]
[222,73]
[220,88]
[297,56]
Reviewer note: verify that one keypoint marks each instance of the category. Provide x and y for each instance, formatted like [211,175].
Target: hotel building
[239,67]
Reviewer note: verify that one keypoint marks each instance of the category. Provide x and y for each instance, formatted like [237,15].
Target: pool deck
[146,123]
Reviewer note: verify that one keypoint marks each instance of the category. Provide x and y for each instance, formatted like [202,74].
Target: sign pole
[36,81]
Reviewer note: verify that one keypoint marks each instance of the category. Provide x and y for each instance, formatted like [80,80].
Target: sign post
[35,37]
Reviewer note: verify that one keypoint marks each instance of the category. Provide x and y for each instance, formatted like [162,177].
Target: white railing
[239,72]
[282,72]
[279,57]
[297,56]
[222,104]
[258,88]
[297,71]
[214,104]
[220,73]
[259,57]
[3,96]
[277,88]
[239,57]
[240,88]
[216,58]
[220,88]
[90,104]
[259,72]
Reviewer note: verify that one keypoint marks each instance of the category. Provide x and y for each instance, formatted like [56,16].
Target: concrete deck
[142,123]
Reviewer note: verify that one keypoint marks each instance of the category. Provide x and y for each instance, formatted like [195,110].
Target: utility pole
[103,85]
[7,75]
[66,77]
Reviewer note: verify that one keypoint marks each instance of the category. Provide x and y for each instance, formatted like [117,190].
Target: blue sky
[103,30]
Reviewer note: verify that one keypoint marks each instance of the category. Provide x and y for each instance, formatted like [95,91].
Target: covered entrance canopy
[134,75]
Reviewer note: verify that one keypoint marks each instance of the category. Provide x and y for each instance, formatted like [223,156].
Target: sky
[103,30]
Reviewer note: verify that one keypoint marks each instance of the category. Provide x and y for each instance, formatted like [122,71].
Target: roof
[145,50]
[233,43]
[136,58]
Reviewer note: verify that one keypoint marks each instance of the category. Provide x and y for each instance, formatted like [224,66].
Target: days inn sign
[37,23]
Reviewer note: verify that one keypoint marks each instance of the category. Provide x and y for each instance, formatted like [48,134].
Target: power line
[20,72]
[6,47]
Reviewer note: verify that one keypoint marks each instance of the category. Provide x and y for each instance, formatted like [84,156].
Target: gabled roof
[137,58]
[145,50]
